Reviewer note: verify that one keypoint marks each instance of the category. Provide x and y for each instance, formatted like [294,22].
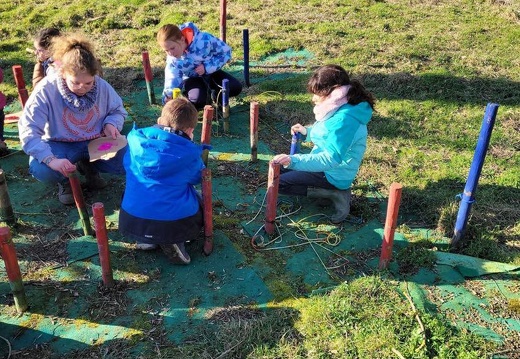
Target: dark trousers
[199,89]
[295,183]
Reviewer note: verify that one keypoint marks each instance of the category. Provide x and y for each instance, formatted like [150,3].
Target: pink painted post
[98,210]
[8,253]
[253,120]
[223,15]
[208,211]
[394,200]
[273,180]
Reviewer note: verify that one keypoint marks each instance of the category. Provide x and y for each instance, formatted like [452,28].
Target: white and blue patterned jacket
[203,48]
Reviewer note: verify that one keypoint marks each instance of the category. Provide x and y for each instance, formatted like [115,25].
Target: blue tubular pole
[225,93]
[295,143]
[225,104]
[245,40]
[468,197]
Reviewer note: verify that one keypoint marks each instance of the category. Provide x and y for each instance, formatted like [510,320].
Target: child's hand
[298,129]
[111,131]
[282,159]
[62,165]
[200,70]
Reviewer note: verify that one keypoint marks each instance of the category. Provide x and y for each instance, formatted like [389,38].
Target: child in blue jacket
[342,110]
[161,206]
[193,63]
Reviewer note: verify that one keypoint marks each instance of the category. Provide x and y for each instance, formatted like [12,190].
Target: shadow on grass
[237,330]
[495,209]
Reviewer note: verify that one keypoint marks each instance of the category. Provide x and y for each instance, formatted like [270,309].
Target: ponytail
[358,93]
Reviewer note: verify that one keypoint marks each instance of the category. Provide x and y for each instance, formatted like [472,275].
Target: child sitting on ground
[342,109]
[194,61]
[161,206]
[42,44]
[68,109]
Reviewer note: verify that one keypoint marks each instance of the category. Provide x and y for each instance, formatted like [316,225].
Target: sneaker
[176,253]
[94,180]
[65,193]
[146,246]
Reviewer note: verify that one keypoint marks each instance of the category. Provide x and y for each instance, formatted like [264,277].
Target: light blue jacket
[339,145]
[203,49]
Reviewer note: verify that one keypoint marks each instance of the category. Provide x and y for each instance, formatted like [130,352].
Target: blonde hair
[169,32]
[179,114]
[75,54]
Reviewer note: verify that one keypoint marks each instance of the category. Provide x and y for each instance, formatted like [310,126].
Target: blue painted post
[225,104]
[468,197]
[295,143]
[245,40]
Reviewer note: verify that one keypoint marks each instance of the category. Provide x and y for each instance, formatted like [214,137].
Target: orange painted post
[98,211]
[8,253]
[207,119]
[253,120]
[148,76]
[223,15]
[23,95]
[394,200]
[80,203]
[6,209]
[273,180]
[208,211]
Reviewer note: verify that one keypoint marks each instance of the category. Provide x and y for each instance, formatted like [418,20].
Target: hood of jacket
[160,156]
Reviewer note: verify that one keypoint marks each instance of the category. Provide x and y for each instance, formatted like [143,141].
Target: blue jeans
[295,183]
[74,152]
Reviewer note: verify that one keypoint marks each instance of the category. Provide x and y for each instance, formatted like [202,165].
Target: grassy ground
[432,65]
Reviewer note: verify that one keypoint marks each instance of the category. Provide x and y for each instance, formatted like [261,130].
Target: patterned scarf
[77,103]
[331,103]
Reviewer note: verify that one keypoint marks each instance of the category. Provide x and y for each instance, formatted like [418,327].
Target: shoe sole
[175,255]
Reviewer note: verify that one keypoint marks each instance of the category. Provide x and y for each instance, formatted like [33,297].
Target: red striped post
[80,203]
[253,120]
[148,77]
[208,211]
[207,119]
[6,209]
[223,15]
[394,200]
[98,210]
[8,253]
[273,180]
[23,95]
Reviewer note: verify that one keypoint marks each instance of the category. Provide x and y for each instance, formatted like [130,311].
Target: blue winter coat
[161,171]
[339,145]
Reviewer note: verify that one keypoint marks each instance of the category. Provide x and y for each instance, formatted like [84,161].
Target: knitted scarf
[77,103]
[331,103]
